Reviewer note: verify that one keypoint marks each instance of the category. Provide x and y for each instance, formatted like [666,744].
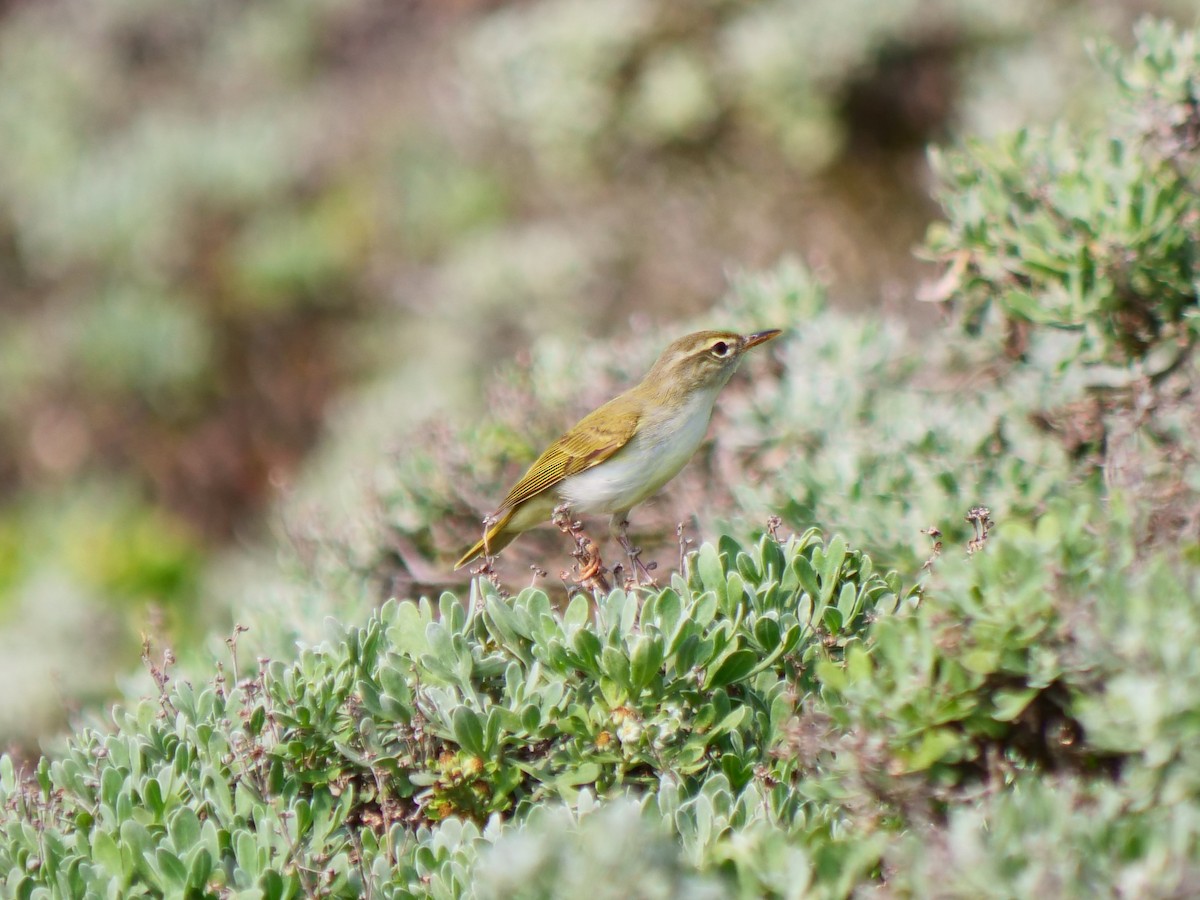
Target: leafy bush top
[349,770]
[1093,232]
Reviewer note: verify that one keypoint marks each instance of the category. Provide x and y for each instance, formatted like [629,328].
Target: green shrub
[373,762]
[1092,231]
[785,718]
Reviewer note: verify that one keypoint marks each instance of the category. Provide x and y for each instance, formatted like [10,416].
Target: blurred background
[245,246]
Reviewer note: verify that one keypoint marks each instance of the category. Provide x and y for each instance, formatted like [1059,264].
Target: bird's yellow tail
[496,540]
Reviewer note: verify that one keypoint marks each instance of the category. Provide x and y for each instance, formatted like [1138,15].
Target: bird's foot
[592,574]
[684,544]
[641,570]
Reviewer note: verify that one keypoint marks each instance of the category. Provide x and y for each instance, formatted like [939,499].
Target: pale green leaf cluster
[1088,230]
[782,721]
[387,760]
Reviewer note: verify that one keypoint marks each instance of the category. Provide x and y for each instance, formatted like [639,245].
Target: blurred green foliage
[1091,232]
[581,86]
[872,694]
[107,540]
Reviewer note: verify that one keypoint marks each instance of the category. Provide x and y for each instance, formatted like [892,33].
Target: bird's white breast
[652,457]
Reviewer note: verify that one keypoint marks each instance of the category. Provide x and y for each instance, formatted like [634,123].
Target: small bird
[619,455]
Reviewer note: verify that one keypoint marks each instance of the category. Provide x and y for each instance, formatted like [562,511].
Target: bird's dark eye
[720,349]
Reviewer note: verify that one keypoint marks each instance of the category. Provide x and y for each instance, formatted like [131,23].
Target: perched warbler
[619,455]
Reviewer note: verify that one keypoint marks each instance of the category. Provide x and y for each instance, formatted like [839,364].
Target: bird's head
[704,360]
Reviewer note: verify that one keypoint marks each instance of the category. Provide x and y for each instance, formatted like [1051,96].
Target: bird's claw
[640,569]
[587,552]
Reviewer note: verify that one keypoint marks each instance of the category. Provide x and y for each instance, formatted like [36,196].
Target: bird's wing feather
[593,440]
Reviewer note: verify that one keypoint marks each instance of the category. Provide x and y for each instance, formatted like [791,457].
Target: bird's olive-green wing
[597,437]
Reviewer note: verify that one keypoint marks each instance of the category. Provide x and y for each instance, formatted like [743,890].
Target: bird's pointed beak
[759,337]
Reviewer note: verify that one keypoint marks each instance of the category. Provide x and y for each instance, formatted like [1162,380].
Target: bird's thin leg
[486,567]
[620,525]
